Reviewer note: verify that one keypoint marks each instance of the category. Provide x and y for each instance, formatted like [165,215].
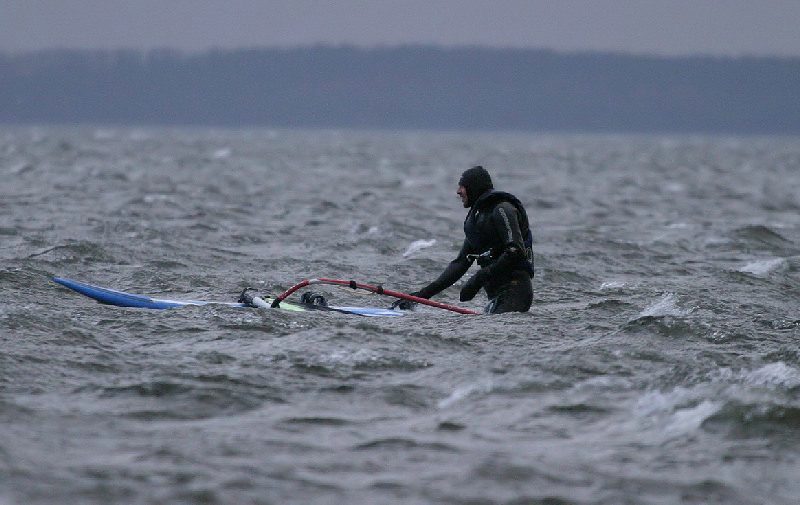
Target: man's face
[462,193]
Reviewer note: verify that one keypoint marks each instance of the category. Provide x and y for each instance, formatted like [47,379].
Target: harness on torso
[481,234]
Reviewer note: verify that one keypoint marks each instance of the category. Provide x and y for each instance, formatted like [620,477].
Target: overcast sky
[665,27]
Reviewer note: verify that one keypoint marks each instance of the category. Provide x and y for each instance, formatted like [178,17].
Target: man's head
[474,182]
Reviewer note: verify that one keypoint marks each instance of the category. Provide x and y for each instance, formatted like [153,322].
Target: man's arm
[454,271]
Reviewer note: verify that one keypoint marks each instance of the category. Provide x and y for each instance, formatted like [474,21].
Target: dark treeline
[404,87]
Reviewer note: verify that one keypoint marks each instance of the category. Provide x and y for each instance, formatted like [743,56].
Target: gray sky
[666,27]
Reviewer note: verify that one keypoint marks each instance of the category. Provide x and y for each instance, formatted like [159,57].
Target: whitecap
[465,391]
[666,306]
[774,374]
[612,285]
[155,197]
[687,420]
[417,246]
[764,267]
[674,413]
[653,402]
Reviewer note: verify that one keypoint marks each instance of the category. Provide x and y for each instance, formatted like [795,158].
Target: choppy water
[658,365]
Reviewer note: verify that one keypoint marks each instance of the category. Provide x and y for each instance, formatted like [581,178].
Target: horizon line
[155,50]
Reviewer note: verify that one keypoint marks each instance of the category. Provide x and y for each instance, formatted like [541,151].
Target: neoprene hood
[477,181]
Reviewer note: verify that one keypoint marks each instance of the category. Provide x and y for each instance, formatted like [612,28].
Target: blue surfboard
[110,296]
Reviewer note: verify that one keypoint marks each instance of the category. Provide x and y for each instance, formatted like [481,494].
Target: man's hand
[473,285]
[401,304]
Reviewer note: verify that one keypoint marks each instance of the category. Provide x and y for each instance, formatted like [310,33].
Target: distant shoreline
[404,87]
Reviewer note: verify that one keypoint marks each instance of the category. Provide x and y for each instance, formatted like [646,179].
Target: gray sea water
[658,365]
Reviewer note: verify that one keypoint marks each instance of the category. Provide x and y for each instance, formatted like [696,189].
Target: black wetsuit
[496,229]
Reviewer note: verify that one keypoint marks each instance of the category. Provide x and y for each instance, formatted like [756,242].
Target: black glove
[473,285]
[246,298]
[401,304]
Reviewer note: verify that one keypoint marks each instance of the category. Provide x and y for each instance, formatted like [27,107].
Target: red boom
[374,289]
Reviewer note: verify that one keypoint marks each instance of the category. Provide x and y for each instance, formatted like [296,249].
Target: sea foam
[765,267]
[667,305]
[417,246]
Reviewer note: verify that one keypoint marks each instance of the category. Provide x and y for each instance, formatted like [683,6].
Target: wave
[460,393]
[612,285]
[401,443]
[762,237]
[760,232]
[757,420]
[665,316]
[347,362]
[192,397]
[762,268]
[777,374]
[661,416]
[316,421]
[75,251]
[611,304]
[745,401]
[417,246]
[8,231]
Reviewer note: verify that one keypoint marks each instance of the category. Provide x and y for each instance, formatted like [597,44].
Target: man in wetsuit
[498,235]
